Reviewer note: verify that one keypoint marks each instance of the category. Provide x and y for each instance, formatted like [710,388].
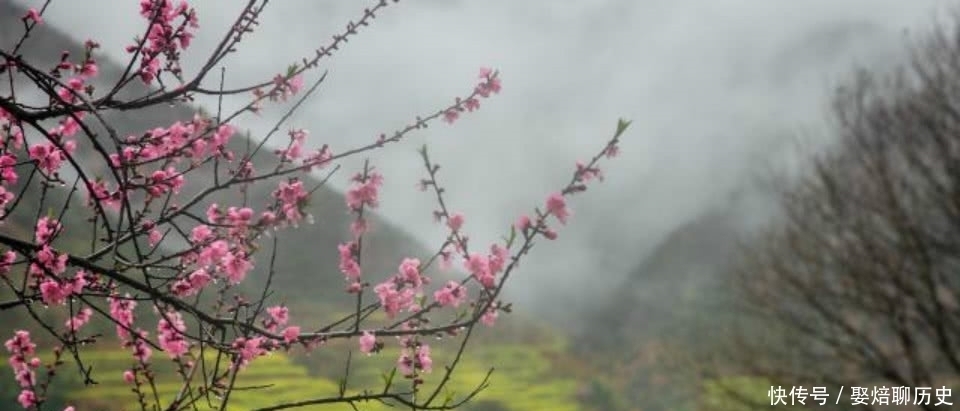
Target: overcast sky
[714,87]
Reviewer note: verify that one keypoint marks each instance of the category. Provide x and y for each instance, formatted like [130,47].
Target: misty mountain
[668,290]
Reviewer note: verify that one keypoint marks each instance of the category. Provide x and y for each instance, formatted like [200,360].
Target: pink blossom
[98,192]
[77,322]
[213,252]
[523,223]
[27,398]
[489,318]
[129,377]
[192,284]
[292,197]
[319,158]
[48,157]
[14,138]
[446,258]
[141,350]
[423,358]
[471,104]
[121,311]
[408,364]
[585,173]
[222,135]
[392,299]
[405,364]
[295,149]
[410,271]
[368,342]
[200,234]
[287,87]
[53,293]
[149,68]
[612,151]
[34,16]
[89,69]
[267,218]
[6,261]
[21,349]
[213,213]
[69,93]
[248,349]
[292,213]
[170,336]
[75,83]
[558,207]
[290,334]
[364,192]
[452,294]
[279,314]
[295,84]
[239,215]
[490,84]
[166,141]
[79,282]
[20,344]
[8,171]
[154,237]
[451,116]
[348,265]
[46,229]
[479,266]
[65,94]
[245,169]
[455,221]
[163,181]
[236,265]
[493,85]
[68,127]
[239,219]
[358,227]
[48,262]
[6,197]
[498,258]
[185,39]
[126,156]
[199,278]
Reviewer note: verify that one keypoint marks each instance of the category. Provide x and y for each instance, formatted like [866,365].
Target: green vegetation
[524,379]
[728,393]
[732,393]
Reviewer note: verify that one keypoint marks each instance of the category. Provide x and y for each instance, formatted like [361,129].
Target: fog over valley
[716,91]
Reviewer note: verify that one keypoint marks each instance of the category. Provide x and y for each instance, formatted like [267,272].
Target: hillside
[658,332]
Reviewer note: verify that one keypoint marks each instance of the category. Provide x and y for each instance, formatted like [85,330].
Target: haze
[715,89]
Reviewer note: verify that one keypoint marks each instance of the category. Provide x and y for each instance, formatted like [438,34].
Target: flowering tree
[152,244]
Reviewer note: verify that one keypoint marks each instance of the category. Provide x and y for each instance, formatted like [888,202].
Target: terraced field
[523,380]
[276,373]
